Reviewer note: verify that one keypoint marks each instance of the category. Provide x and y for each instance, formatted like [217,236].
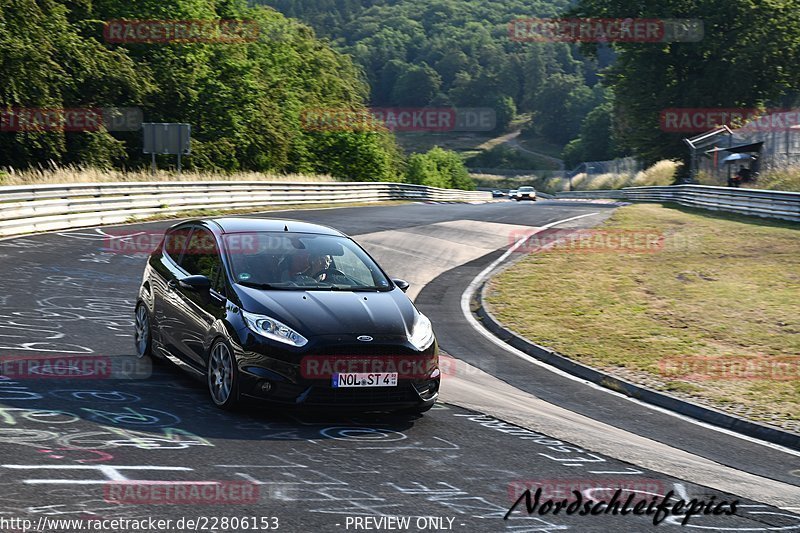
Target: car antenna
[285,227]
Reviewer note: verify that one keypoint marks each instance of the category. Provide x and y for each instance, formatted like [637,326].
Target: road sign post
[167,138]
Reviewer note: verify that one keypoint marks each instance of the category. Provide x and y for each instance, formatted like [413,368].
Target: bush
[661,173]
[706,178]
[356,156]
[605,182]
[439,168]
[553,185]
[787,179]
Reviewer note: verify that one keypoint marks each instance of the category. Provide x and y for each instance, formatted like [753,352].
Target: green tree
[46,61]
[356,156]
[245,100]
[561,105]
[416,86]
[505,111]
[748,56]
[466,42]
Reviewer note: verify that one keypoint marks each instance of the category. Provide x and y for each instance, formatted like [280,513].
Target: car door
[199,309]
[166,305]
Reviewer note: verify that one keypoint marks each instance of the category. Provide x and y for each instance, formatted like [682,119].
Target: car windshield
[525,189]
[301,261]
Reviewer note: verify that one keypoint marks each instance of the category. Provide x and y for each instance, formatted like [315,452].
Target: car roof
[249,224]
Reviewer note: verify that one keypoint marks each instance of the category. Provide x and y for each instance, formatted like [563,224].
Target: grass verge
[721,286]
[96,175]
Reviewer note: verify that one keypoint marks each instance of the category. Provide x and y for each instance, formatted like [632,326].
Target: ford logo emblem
[364,338]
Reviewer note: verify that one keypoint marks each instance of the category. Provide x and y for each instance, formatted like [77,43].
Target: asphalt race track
[66,445]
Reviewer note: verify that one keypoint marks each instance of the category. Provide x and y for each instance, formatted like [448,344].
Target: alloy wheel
[220,374]
[142,333]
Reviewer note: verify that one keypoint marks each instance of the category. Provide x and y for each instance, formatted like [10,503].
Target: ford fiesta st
[286,311]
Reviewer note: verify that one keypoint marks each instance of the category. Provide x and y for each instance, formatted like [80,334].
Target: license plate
[358,379]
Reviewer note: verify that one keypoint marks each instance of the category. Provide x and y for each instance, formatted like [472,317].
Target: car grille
[367,349]
[362,396]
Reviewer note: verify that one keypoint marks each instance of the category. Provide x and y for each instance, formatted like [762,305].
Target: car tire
[143,333]
[222,376]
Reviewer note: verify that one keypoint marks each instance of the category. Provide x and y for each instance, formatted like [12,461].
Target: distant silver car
[526,193]
[512,194]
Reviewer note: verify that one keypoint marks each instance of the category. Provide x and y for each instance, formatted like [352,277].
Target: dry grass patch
[94,175]
[660,173]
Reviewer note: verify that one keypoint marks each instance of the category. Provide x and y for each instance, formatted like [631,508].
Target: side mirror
[401,284]
[195,283]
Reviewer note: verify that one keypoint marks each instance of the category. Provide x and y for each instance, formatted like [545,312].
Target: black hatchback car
[285,311]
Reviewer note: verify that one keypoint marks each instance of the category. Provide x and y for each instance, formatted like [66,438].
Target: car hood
[312,313]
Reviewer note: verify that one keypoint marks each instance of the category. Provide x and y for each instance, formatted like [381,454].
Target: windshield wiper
[254,285]
[356,288]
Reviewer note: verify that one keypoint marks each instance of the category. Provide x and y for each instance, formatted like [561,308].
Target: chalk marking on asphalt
[680,488]
[466,297]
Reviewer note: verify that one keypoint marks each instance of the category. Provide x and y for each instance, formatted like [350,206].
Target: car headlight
[273,329]
[422,333]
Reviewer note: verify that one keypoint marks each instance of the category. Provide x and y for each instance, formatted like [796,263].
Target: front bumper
[284,376]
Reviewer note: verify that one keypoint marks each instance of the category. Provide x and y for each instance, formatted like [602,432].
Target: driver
[318,266]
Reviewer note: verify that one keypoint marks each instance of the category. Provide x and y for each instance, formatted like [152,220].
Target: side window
[175,241]
[201,257]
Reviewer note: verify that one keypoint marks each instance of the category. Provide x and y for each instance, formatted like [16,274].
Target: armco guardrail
[758,202]
[769,204]
[35,208]
[590,194]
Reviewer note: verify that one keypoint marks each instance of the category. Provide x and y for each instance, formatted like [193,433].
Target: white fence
[35,208]
[758,202]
